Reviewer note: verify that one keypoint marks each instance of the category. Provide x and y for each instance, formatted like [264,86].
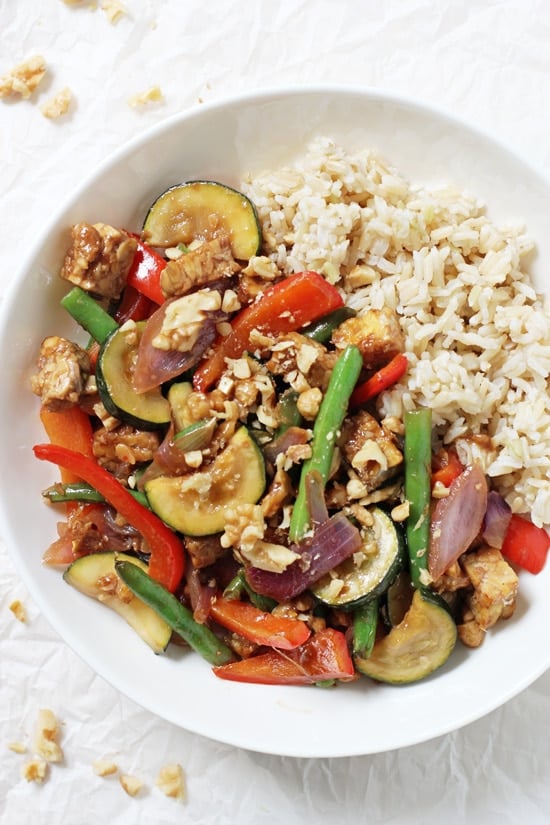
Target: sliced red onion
[154,366]
[332,542]
[496,521]
[200,595]
[457,519]
[289,438]
[168,460]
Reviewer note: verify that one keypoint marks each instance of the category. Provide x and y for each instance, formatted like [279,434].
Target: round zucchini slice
[421,643]
[196,504]
[368,574]
[114,369]
[95,576]
[197,209]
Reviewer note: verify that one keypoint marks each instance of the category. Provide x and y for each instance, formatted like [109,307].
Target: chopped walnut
[151,95]
[171,782]
[184,318]
[211,261]
[23,79]
[308,403]
[370,450]
[63,369]
[245,529]
[17,747]
[58,105]
[104,767]
[114,10]
[99,259]
[46,743]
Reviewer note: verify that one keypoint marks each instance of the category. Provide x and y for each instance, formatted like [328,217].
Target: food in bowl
[322,387]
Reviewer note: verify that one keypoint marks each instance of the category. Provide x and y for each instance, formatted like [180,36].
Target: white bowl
[224,141]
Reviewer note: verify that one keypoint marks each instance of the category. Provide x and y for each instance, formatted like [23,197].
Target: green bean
[89,314]
[418,459]
[238,587]
[365,622]
[325,433]
[80,491]
[322,329]
[198,636]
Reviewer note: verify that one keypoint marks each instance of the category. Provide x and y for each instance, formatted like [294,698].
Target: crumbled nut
[46,745]
[58,105]
[131,784]
[401,511]
[184,319]
[171,782]
[17,747]
[23,79]
[308,403]
[114,10]
[34,770]
[18,611]
[104,767]
[152,95]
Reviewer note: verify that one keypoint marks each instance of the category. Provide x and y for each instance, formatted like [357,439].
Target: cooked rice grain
[477,335]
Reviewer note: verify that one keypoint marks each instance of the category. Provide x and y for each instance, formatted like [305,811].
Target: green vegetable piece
[322,329]
[80,491]
[174,613]
[365,623]
[418,460]
[238,587]
[89,314]
[325,433]
[287,411]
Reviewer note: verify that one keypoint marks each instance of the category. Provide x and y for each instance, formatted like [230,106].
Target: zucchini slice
[198,209]
[420,644]
[178,396]
[114,369]
[95,576]
[359,579]
[196,504]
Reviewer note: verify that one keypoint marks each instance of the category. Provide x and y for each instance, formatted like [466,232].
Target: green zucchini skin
[91,574]
[416,647]
[183,213]
[147,410]
[372,576]
[202,512]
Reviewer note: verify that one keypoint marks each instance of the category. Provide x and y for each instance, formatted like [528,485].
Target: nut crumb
[18,611]
[104,767]
[34,770]
[17,747]
[171,781]
[23,79]
[58,105]
[152,95]
[131,784]
[46,745]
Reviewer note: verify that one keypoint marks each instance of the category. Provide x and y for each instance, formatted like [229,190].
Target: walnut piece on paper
[58,105]
[17,747]
[23,79]
[114,10]
[152,95]
[171,781]
[104,767]
[18,611]
[46,745]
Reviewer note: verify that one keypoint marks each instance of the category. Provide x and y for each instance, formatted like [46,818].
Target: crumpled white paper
[484,61]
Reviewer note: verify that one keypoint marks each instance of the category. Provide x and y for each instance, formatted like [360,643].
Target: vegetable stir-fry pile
[226,479]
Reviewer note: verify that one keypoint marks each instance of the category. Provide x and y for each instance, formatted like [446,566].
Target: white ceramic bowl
[224,141]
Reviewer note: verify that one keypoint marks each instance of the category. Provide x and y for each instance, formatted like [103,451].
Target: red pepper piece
[284,307]
[525,544]
[324,656]
[68,428]
[167,561]
[145,271]
[258,626]
[134,306]
[386,377]
[446,466]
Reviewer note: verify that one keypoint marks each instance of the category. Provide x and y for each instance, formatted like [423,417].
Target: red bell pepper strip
[446,466]
[386,377]
[145,271]
[134,306]
[258,626]
[70,428]
[167,561]
[324,656]
[284,307]
[525,544]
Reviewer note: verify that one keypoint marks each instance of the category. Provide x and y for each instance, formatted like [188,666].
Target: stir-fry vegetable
[418,458]
[526,544]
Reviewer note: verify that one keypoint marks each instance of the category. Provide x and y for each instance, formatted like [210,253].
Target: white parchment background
[488,61]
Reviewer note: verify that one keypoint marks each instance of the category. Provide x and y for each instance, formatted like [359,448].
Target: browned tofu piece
[211,261]
[495,586]
[63,369]
[377,334]
[99,259]
[370,449]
